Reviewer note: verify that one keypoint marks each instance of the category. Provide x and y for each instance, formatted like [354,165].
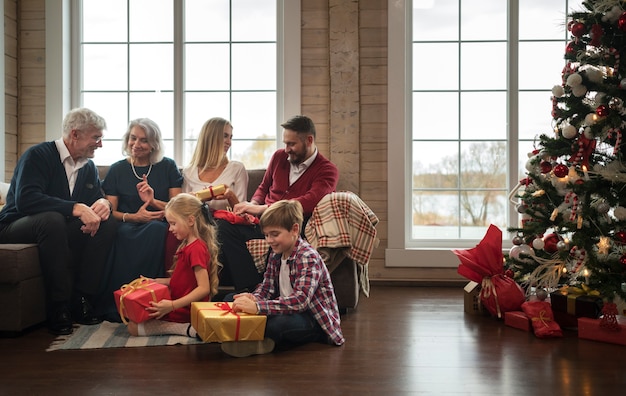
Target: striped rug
[113,335]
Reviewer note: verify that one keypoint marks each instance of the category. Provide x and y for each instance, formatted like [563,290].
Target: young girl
[194,274]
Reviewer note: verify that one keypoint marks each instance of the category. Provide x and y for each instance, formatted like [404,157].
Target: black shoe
[83,313]
[60,322]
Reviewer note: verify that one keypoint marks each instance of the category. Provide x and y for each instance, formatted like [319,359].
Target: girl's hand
[160,309]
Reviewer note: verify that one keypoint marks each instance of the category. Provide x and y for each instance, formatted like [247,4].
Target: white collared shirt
[284,281]
[71,167]
[295,171]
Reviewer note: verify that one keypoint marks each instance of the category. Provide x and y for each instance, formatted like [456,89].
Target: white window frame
[62,61]
[401,250]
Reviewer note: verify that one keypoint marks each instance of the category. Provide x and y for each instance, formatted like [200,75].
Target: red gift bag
[484,264]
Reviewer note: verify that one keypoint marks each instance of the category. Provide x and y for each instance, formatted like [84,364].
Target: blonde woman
[210,166]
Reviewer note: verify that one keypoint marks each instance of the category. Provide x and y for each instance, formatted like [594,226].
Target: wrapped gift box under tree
[569,305]
[518,320]
[611,327]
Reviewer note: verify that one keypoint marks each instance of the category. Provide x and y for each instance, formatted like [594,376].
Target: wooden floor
[402,340]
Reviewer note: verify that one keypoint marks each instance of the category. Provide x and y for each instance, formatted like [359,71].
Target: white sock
[159,327]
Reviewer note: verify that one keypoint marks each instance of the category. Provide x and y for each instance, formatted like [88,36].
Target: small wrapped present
[133,298]
[517,319]
[216,322]
[541,318]
[570,303]
[210,192]
[591,329]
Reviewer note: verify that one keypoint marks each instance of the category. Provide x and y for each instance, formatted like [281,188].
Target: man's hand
[91,220]
[248,207]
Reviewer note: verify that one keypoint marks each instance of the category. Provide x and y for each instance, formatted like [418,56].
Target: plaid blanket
[342,220]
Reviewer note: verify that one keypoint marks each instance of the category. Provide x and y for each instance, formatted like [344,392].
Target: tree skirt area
[113,335]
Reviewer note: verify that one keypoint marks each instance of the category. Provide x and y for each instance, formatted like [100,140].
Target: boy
[296,293]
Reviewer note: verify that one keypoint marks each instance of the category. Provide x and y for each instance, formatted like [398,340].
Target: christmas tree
[573,200]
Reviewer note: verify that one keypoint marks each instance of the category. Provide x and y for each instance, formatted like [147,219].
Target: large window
[470,86]
[181,63]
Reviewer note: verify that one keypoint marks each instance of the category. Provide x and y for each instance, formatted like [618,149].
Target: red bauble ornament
[571,48]
[550,242]
[621,22]
[561,170]
[602,111]
[622,260]
[545,166]
[578,29]
[620,237]
[509,272]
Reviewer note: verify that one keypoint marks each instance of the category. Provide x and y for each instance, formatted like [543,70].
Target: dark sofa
[22,290]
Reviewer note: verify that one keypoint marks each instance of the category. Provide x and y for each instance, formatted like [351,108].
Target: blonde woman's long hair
[184,205]
[209,151]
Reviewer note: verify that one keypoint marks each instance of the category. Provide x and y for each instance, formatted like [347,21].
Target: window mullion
[179,56]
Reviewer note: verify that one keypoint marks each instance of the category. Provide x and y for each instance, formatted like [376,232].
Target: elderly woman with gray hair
[138,188]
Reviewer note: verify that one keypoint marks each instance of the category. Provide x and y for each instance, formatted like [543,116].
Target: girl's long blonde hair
[182,206]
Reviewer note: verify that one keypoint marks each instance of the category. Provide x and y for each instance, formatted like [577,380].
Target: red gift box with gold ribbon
[217,322]
[133,298]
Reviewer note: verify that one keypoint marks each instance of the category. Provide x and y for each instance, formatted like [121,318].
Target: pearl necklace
[132,165]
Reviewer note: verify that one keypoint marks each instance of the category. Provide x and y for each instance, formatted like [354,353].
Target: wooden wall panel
[11,88]
[32,73]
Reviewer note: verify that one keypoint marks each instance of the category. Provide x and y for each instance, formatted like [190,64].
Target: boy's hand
[245,304]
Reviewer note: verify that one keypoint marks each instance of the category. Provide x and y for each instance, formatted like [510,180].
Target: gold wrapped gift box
[211,192]
[216,322]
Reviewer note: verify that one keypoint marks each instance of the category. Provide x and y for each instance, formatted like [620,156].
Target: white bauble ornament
[538,244]
[558,91]
[569,132]
[587,132]
[594,74]
[532,165]
[526,250]
[579,91]
[591,118]
[574,80]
